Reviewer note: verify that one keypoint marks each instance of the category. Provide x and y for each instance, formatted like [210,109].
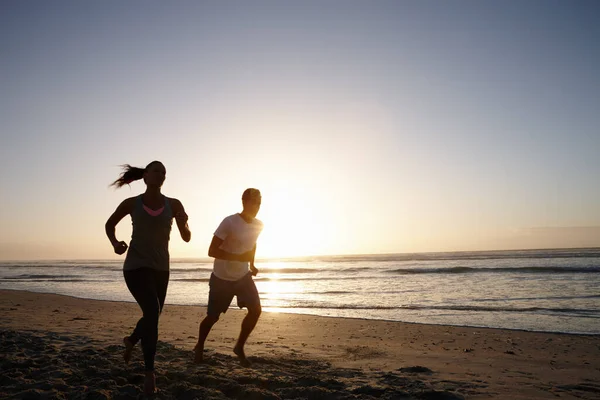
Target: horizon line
[283,258]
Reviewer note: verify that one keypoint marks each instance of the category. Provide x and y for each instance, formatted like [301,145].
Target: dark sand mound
[43,365]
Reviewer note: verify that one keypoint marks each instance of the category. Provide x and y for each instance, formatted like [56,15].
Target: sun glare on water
[280,288]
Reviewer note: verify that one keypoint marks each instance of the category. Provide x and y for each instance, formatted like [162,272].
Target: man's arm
[252,267]
[215,251]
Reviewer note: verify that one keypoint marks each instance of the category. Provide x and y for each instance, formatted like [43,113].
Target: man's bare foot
[198,353]
[128,349]
[149,383]
[239,351]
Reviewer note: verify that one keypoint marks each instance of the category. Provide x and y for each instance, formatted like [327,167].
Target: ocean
[538,290]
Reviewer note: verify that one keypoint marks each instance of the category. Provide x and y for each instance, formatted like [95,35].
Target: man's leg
[220,296]
[247,297]
[203,331]
[248,325]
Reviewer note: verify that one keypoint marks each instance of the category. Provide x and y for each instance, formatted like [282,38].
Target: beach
[56,346]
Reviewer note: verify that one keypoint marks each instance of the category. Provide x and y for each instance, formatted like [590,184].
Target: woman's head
[154,175]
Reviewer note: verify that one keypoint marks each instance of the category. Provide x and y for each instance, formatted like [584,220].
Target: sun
[293,225]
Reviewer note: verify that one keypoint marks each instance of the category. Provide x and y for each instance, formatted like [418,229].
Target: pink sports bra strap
[152,212]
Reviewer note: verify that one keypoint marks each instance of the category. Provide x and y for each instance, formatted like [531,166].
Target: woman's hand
[254,270]
[120,247]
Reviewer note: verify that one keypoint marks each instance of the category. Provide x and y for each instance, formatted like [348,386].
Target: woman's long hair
[131,174]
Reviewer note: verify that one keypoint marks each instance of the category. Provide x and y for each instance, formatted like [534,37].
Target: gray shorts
[221,294]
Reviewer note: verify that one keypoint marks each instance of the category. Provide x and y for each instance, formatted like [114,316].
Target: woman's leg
[136,280]
[162,283]
[142,284]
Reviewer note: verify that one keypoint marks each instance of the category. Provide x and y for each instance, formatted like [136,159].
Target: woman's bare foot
[239,351]
[128,349]
[198,353]
[149,383]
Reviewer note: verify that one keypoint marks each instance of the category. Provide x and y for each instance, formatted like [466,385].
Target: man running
[233,247]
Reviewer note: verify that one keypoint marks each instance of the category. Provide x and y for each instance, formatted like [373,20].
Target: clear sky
[369,126]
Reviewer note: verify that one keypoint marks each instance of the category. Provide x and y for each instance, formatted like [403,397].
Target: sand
[56,347]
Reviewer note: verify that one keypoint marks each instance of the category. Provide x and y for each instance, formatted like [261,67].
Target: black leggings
[149,288]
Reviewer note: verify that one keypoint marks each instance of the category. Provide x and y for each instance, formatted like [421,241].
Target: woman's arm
[215,251]
[122,210]
[181,218]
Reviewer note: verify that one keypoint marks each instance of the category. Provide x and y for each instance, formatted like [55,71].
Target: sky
[369,126]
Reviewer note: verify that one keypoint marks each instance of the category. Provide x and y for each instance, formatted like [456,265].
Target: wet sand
[57,346]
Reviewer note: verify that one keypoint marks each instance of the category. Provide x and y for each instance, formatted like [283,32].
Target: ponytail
[129,174]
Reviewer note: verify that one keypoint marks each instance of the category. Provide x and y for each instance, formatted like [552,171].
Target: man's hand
[247,256]
[120,247]
[254,270]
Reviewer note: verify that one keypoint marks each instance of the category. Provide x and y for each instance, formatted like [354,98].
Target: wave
[589,313]
[83,278]
[324,269]
[406,271]
[183,270]
[174,269]
[591,296]
[275,270]
[582,311]
[3,280]
[467,270]
[593,252]
[330,292]
[260,278]
[26,277]
[62,267]
[265,270]
[290,270]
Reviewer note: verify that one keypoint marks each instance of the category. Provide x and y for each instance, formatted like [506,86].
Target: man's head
[251,200]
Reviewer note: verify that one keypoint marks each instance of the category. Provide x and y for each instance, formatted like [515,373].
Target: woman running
[146,267]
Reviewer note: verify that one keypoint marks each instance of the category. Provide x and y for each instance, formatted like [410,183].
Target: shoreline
[265,310]
[366,357]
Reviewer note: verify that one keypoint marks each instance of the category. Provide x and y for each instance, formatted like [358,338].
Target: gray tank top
[149,246]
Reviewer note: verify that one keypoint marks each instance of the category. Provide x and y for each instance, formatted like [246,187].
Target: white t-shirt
[238,237]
